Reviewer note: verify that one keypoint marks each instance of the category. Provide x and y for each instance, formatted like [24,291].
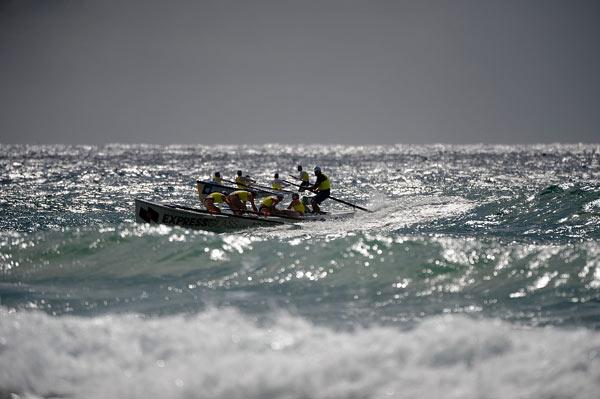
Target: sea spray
[222,353]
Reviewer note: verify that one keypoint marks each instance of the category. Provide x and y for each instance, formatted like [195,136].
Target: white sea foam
[223,354]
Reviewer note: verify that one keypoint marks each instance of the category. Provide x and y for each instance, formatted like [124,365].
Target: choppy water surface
[478,275]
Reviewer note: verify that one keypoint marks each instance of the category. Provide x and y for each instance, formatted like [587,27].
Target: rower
[267,206]
[278,184]
[238,201]
[217,179]
[303,176]
[243,181]
[216,198]
[322,188]
[297,205]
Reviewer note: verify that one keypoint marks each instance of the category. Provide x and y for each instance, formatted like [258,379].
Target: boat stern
[145,213]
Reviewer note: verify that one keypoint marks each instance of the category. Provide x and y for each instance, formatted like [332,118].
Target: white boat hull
[175,215]
[156,213]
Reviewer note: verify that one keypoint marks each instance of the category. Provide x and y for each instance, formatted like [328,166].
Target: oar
[248,188]
[187,208]
[333,198]
[264,188]
[271,188]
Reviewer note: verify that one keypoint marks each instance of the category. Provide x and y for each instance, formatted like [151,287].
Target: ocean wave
[333,277]
[221,353]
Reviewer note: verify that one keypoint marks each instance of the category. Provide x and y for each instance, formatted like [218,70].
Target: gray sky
[304,71]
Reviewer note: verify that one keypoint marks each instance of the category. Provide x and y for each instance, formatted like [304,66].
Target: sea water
[477,275]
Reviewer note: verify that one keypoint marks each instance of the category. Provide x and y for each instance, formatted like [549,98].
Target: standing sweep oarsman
[321,187]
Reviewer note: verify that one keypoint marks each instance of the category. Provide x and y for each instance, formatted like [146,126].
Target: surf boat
[205,188]
[156,213]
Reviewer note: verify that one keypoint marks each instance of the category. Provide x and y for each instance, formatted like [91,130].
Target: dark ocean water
[478,275]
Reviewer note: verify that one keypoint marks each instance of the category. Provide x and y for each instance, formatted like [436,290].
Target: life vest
[324,184]
[241,194]
[268,202]
[217,197]
[300,208]
[304,175]
[241,182]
